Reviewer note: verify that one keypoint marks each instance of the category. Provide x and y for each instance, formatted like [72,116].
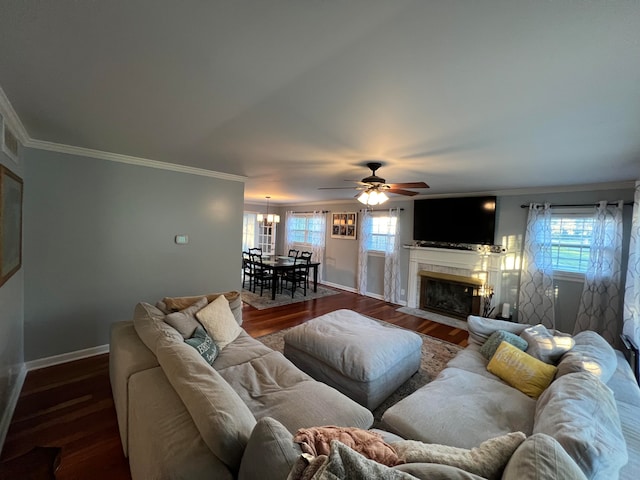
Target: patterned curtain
[631,312]
[288,227]
[318,235]
[600,302]
[392,258]
[364,240]
[536,302]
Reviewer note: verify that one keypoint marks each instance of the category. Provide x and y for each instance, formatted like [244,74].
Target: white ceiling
[468,96]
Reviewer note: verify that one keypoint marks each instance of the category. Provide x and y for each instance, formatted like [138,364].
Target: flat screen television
[455,220]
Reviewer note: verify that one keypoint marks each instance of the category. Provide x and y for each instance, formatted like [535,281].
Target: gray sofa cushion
[461,409]
[185,321]
[220,415]
[151,327]
[591,353]
[579,411]
[481,328]
[270,453]
[271,386]
[541,457]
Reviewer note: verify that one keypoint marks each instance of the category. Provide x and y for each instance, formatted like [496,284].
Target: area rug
[434,317]
[264,301]
[435,356]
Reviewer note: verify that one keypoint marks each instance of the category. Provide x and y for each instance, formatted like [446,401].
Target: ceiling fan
[374,188]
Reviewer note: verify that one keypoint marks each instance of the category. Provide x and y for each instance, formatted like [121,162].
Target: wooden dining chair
[247,270]
[262,274]
[298,276]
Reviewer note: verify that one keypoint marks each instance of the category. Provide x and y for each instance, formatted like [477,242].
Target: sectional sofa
[181,417]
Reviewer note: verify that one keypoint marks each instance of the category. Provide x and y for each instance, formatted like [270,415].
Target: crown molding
[14,123]
[117,157]
[11,118]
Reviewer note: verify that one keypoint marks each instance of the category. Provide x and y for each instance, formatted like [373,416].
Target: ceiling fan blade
[409,185]
[400,191]
[336,188]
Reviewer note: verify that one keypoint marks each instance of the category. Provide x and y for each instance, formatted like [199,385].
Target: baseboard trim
[66,357]
[7,415]
[341,287]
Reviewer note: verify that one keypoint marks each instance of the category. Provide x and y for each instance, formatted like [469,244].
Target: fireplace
[475,267]
[452,295]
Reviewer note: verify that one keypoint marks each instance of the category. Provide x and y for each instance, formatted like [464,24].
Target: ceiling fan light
[382,197]
[364,198]
[374,198]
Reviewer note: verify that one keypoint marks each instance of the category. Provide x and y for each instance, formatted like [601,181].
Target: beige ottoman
[365,360]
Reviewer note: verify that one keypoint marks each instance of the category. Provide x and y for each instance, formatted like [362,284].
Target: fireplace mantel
[474,262]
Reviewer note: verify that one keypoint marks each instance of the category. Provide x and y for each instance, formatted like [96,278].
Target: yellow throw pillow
[520,370]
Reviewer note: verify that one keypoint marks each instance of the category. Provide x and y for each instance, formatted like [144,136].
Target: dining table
[279,264]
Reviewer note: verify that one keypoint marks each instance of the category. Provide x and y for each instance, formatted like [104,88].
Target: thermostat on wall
[182,239]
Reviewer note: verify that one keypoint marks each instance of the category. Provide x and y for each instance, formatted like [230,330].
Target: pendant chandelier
[268,219]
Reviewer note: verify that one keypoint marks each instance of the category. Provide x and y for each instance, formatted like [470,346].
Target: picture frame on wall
[344,225]
[11,187]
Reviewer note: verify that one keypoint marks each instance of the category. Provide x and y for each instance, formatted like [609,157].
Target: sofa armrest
[127,356]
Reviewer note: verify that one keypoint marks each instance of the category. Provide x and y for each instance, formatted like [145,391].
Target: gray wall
[11,333]
[341,255]
[99,237]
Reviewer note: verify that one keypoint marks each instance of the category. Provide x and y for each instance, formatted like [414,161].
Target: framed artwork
[10,223]
[344,225]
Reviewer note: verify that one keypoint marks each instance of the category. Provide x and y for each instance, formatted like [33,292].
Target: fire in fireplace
[452,295]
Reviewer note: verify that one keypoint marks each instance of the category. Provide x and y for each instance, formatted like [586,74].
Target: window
[571,241]
[382,233]
[249,231]
[303,227]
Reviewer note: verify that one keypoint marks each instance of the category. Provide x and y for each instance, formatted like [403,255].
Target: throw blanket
[342,463]
[317,441]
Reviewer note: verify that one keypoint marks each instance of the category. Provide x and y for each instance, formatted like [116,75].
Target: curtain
[364,240]
[392,258]
[631,311]
[317,232]
[288,231]
[536,301]
[600,302]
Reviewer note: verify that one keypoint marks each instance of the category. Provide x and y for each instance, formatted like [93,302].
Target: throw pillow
[545,345]
[491,345]
[219,322]
[270,454]
[592,354]
[174,304]
[317,441]
[203,344]
[521,370]
[487,460]
[185,321]
[541,456]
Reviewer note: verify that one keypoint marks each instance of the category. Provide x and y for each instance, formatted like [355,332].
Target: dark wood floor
[70,406]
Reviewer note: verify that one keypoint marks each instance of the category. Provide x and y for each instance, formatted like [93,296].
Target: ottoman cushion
[357,355]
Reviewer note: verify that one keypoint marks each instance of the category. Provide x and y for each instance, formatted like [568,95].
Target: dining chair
[262,275]
[298,276]
[293,253]
[247,270]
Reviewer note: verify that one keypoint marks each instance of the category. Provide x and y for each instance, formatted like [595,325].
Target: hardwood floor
[70,406]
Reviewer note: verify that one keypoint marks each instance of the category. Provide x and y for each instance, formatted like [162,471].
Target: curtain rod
[567,205]
[381,209]
[314,211]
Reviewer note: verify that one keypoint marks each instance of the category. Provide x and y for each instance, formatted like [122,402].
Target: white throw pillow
[219,322]
[546,345]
